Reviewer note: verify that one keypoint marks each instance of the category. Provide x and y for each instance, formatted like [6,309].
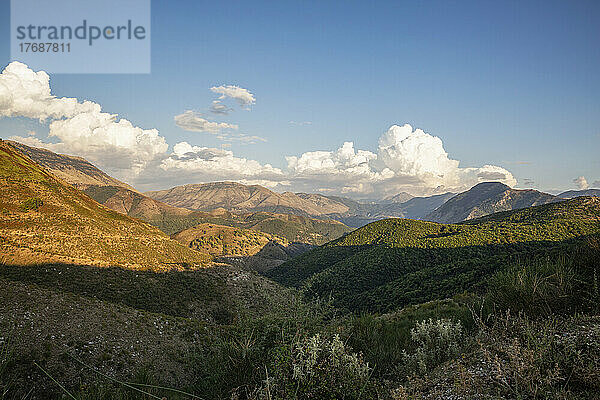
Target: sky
[363,99]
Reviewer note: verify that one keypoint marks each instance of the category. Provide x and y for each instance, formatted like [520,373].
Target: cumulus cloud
[193,121]
[219,108]
[25,93]
[406,159]
[241,95]
[81,127]
[581,183]
[596,184]
[204,164]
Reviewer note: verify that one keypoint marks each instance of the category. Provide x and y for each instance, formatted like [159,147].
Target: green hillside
[43,219]
[395,262]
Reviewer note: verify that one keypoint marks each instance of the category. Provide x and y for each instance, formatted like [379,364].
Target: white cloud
[406,159]
[300,123]
[596,184]
[81,127]
[204,164]
[219,108]
[25,93]
[241,95]
[193,121]
[581,183]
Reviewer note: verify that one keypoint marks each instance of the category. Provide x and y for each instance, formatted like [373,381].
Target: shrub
[320,368]
[435,342]
[544,287]
[384,339]
[550,358]
[32,203]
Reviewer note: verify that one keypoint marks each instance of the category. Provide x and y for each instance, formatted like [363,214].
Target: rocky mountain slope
[74,170]
[240,198]
[133,203]
[44,219]
[487,198]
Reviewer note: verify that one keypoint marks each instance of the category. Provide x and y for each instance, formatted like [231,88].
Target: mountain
[401,197]
[122,198]
[73,170]
[241,198]
[394,262]
[414,208]
[44,219]
[569,194]
[133,203]
[487,198]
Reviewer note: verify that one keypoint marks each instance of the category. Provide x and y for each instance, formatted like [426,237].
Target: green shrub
[384,339]
[538,359]
[435,342]
[318,368]
[32,203]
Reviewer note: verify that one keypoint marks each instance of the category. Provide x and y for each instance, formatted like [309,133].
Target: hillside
[219,240]
[487,198]
[44,219]
[73,170]
[570,194]
[133,203]
[394,262]
[172,219]
[242,198]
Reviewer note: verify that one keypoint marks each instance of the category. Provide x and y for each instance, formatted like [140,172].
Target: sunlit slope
[394,262]
[43,219]
[220,240]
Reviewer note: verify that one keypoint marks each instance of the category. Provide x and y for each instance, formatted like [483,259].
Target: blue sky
[511,84]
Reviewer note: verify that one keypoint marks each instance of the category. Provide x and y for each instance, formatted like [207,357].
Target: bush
[435,342]
[320,368]
[550,358]
[553,286]
[384,339]
[32,203]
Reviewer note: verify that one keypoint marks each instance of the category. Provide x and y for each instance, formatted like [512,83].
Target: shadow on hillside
[173,293]
[382,278]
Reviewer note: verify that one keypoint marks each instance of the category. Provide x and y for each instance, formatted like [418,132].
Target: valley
[224,290]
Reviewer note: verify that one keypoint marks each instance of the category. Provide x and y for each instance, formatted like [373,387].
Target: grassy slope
[220,240]
[72,228]
[391,263]
[291,227]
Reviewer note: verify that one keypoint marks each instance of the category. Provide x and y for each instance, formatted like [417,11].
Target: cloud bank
[405,159]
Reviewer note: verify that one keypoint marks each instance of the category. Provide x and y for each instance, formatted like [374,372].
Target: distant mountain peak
[487,198]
